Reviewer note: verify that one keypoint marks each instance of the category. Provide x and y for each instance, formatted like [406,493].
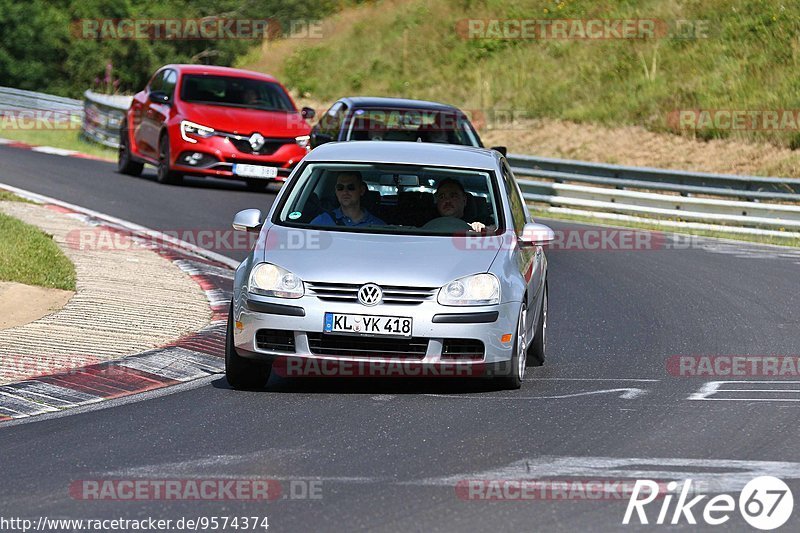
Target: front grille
[462,349]
[270,145]
[352,346]
[392,294]
[276,340]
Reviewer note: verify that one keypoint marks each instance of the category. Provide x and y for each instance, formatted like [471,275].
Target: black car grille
[353,346]
[276,340]
[270,146]
[462,349]
[392,294]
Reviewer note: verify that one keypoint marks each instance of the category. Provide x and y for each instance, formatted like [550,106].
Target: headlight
[302,141]
[479,289]
[271,280]
[196,130]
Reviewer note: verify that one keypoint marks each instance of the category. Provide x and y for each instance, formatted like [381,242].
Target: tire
[538,348]
[242,373]
[512,378]
[163,173]
[125,161]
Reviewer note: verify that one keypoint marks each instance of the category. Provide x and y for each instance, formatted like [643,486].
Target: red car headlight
[190,131]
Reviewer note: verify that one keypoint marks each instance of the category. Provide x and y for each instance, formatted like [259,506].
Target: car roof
[398,103]
[399,152]
[220,71]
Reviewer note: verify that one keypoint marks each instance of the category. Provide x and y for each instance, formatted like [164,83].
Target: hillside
[732,55]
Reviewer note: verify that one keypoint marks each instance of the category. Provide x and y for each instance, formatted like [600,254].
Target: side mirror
[318,138]
[158,97]
[307,112]
[536,235]
[502,149]
[248,220]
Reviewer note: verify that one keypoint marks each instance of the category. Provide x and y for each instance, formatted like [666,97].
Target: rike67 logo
[765,503]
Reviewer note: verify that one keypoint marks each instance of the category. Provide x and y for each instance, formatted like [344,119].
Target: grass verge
[758,239]
[66,139]
[29,256]
[6,196]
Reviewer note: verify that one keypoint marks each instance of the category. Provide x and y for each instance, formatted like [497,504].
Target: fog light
[194,158]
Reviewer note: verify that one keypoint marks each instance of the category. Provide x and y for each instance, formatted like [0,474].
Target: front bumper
[304,318]
[215,156]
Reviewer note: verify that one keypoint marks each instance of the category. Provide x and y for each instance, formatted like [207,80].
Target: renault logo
[256,141]
[370,294]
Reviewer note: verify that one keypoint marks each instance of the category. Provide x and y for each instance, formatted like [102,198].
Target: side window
[157,83]
[170,80]
[331,122]
[519,211]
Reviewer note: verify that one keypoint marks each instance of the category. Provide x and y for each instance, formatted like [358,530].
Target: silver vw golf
[391,259]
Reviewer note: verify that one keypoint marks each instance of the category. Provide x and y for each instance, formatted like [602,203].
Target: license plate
[367,324]
[255,171]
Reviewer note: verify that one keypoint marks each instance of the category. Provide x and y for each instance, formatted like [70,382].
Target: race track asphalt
[389,456]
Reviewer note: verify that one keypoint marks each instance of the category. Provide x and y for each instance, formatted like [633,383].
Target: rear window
[413,125]
[235,92]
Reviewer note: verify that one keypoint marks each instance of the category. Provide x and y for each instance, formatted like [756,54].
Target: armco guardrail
[102,116]
[719,201]
[17,99]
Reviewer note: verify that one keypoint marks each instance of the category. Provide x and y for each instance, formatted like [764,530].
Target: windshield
[235,92]
[400,199]
[412,125]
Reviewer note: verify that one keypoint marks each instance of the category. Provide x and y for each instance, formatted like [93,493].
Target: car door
[530,259]
[143,133]
[157,112]
[329,127]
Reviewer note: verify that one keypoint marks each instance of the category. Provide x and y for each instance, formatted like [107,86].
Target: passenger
[451,200]
[350,188]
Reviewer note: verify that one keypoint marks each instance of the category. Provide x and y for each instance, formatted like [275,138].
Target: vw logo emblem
[256,141]
[370,294]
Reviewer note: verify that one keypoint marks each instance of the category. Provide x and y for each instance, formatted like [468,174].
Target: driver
[350,188]
[250,96]
[451,200]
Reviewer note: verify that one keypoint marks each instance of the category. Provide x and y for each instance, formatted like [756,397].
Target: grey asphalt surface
[389,455]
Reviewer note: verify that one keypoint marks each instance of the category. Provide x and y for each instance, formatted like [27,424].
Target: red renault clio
[214,121]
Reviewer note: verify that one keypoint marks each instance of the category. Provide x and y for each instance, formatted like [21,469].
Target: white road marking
[383,397]
[53,151]
[627,393]
[712,475]
[591,379]
[713,388]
